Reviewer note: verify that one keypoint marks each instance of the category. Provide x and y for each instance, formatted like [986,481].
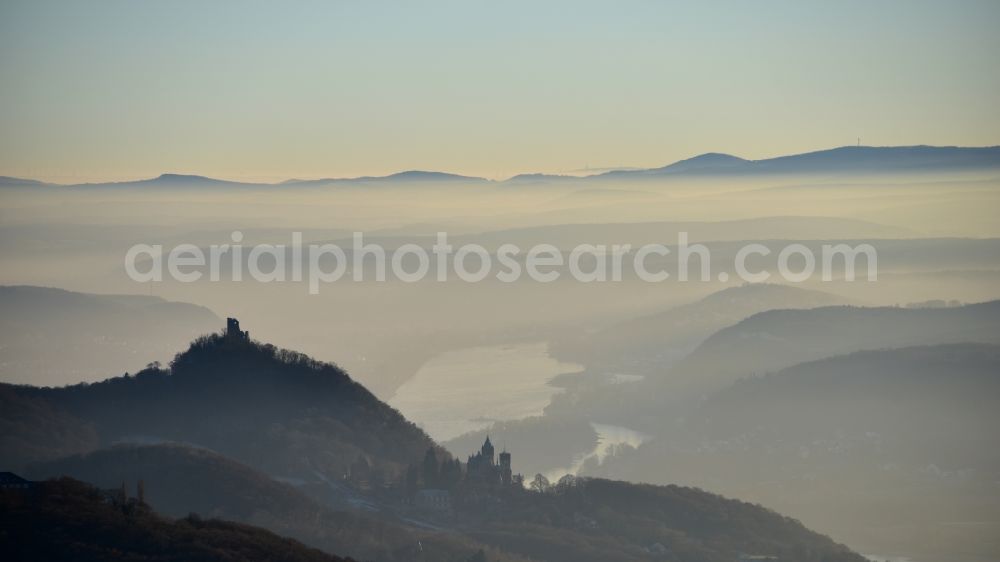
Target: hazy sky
[123,89]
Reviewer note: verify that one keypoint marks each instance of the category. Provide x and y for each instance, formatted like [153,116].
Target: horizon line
[598,171]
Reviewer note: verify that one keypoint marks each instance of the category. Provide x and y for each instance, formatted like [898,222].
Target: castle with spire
[483,466]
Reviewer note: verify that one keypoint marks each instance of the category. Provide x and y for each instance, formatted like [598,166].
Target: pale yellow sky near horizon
[116,90]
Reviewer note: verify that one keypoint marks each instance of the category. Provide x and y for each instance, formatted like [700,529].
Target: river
[468,389]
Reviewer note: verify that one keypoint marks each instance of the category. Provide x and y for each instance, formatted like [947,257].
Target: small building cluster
[440,484]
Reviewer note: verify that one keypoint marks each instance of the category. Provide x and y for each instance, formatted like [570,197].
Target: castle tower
[488,452]
[505,471]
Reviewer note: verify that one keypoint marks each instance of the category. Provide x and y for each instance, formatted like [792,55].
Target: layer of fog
[937,239]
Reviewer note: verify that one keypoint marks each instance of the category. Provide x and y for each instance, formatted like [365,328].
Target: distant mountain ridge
[7,181]
[399,177]
[703,162]
[840,160]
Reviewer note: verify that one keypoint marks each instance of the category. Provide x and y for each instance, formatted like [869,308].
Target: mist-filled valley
[866,408]
[531,281]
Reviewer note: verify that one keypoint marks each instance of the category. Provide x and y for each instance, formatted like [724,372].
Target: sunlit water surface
[468,389]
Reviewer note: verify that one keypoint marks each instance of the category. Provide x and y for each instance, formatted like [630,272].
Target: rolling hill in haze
[948,394]
[410,176]
[776,339]
[7,181]
[883,448]
[54,337]
[177,181]
[32,429]
[595,519]
[654,341]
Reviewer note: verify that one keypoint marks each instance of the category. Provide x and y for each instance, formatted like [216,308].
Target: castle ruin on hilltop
[233,331]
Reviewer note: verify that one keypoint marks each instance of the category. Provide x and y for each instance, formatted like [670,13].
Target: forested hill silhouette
[275,409]
[69,520]
[578,520]
[283,418]
[180,480]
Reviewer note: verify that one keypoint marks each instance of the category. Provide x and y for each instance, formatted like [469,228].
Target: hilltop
[272,408]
